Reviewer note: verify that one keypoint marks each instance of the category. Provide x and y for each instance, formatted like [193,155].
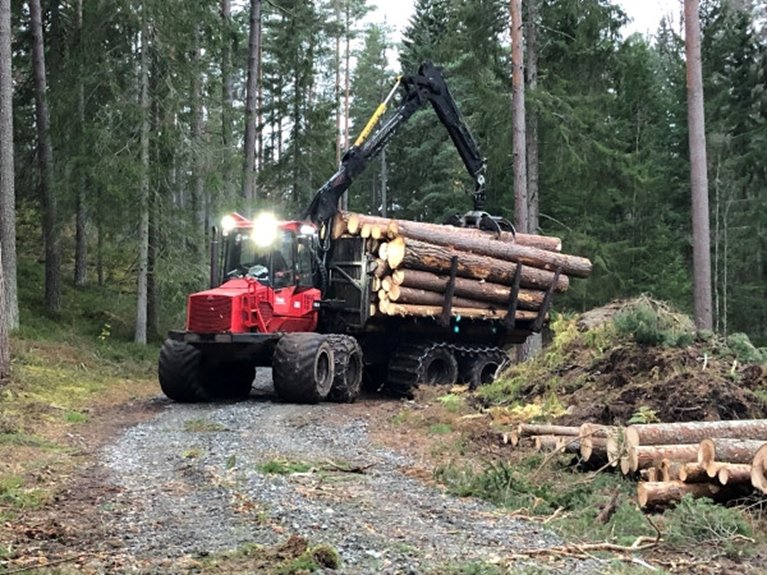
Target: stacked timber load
[439,271]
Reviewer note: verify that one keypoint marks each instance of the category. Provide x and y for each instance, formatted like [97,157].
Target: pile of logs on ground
[432,270]
[722,460]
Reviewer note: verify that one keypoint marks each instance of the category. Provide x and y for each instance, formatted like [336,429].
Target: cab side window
[304,262]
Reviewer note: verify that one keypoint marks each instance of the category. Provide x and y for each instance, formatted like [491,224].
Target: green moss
[440,428]
[73,416]
[14,493]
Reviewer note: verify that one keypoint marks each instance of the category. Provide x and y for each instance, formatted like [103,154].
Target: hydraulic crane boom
[428,85]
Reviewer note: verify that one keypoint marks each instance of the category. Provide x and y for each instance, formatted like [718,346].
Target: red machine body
[282,301]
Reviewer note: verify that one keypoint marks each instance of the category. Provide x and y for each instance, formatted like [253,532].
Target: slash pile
[424,270]
[722,460]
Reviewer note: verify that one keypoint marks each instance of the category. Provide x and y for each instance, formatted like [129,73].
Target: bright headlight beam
[227,224]
[265,229]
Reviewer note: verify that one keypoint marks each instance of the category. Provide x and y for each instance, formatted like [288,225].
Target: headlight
[265,229]
[307,230]
[227,224]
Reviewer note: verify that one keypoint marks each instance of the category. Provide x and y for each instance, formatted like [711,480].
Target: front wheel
[180,371]
[302,368]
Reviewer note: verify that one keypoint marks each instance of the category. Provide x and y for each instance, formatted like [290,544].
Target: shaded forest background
[612,136]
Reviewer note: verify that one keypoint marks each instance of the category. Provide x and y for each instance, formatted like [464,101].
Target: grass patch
[203,426]
[15,494]
[21,439]
[440,428]
[452,403]
[284,467]
[73,416]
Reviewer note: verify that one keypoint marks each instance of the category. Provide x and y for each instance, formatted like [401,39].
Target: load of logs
[432,270]
[722,460]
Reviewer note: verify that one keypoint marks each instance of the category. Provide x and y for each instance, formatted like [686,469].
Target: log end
[759,469]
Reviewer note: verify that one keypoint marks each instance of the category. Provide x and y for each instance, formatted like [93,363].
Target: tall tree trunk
[534,344]
[198,164]
[81,244]
[10,308]
[531,44]
[518,113]
[249,164]
[45,157]
[337,91]
[701,247]
[226,94]
[347,79]
[143,255]
[5,348]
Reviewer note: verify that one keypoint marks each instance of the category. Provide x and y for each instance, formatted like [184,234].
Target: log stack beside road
[424,269]
[721,460]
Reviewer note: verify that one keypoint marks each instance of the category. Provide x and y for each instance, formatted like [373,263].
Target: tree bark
[695,431]
[429,257]
[349,222]
[698,177]
[693,473]
[337,91]
[10,308]
[651,455]
[712,451]
[472,289]
[227,97]
[402,294]
[254,45]
[436,311]
[81,242]
[5,348]
[662,493]
[519,147]
[593,437]
[528,429]
[45,158]
[143,255]
[198,164]
[734,474]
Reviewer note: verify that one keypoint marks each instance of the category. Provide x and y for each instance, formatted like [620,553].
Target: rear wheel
[302,368]
[417,364]
[481,371]
[347,361]
[180,371]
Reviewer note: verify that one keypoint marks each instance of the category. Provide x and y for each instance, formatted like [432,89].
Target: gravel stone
[191,484]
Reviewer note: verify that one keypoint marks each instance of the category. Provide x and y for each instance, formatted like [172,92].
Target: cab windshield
[271,265]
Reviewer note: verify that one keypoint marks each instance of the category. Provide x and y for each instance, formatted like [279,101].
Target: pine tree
[8,294]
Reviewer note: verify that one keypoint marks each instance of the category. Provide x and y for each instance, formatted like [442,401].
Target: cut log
[383,251]
[396,252]
[545,442]
[425,231]
[617,448]
[592,437]
[649,474]
[528,429]
[734,474]
[386,283]
[568,444]
[711,451]
[669,470]
[403,294]
[398,277]
[382,268]
[759,469]
[396,295]
[365,230]
[695,431]
[470,288]
[663,493]
[376,232]
[651,455]
[693,473]
[429,257]
[413,310]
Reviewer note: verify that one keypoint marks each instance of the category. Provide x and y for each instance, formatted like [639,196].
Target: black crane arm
[428,85]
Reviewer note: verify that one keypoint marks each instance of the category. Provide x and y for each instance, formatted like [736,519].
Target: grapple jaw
[481,220]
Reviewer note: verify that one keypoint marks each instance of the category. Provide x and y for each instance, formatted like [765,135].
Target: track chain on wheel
[348,367]
[436,363]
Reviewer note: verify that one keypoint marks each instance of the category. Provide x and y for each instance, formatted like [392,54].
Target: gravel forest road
[191,482]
